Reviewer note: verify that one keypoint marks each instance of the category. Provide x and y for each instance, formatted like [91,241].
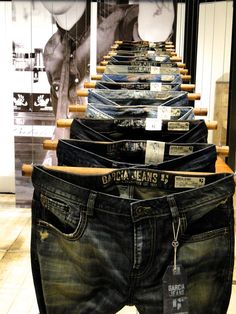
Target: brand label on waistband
[162,96]
[189,182]
[154,152]
[167,78]
[160,58]
[178,126]
[139,177]
[155,86]
[166,70]
[153,124]
[151,52]
[164,113]
[152,44]
[155,70]
[180,150]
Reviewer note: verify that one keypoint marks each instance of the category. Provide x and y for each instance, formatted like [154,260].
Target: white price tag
[155,70]
[154,152]
[153,124]
[155,86]
[164,113]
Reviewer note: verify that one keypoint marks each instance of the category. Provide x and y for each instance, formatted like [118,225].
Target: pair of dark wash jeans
[191,131]
[147,63]
[148,154]
[101,111]
[143,78]
[138,86]
[149,57]
[124,69]
[138,97]
[101,242]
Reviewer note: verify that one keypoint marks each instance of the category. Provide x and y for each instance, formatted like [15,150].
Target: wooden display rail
[98,77]
[52,145]
[82,108]
[184,87]
[179,64]
[221,167]
[191,96]
[102,68]
[66,123]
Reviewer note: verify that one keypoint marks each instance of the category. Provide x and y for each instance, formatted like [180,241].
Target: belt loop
[90,203]
[173,208]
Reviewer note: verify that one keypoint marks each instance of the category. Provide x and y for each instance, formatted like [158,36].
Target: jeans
[104,241]
[138,97]
[151,57]
[100,111]
[143,63]
[143,78]
[121,154]
[191,131]
[123,69]
[138,86]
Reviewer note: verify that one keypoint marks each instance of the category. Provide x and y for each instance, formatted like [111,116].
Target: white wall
[179,46]
[214,49]
[7,158]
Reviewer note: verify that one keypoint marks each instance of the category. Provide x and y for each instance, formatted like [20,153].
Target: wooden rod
[52,145]
[85,92]
[221,167]
[184,87]
[65,123]
[82,108]
[186,78]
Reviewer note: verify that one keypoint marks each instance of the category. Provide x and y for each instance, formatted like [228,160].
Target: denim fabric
[144,52]
[100,242]
[142,63]
[149,57]
[142,78]
[100,111]
[121,154]
[138,97]
[191,131]
[123,69]
[138,86]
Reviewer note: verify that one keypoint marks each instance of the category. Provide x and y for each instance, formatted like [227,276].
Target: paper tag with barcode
[163,112]
[178,126]
[155,70]
[153,124]
[155,86]
[189,182]
[176,150]
[154,152]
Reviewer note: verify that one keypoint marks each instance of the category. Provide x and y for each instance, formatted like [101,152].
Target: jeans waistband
[190,193]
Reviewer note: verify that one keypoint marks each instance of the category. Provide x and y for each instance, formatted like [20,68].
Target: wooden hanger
[191,96]
[52,145]
[184,87]
[82,108]
[221,167]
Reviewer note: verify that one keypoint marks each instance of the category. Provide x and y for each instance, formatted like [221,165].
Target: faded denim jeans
[148,154]
[100,242]
[143,78]
[153,86]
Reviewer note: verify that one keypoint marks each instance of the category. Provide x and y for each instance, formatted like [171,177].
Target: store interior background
[212,72]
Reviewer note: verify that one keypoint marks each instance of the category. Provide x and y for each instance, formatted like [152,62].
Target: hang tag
[153,124]
[160,58]
[154,152]
[174,285]
[151,52]
[155,70]
[155,86]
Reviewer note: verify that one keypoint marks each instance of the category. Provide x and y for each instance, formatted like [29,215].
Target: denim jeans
[121,154]
[143,52]
[138,86]
[191,131]
[138,97]
[151,57]
[100,242]
[143,78]
[124,69]
[101,111]
[135,62]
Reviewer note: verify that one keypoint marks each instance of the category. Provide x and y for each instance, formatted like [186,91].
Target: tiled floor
[16,286]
